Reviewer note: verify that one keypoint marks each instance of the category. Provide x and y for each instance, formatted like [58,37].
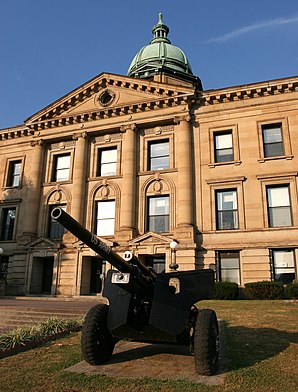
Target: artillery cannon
[146,306]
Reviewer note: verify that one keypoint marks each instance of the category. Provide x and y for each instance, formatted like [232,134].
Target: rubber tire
[206,342]
[97,343]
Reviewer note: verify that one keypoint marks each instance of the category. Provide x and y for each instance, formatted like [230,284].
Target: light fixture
[173,245]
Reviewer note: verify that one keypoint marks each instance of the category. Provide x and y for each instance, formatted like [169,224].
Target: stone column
[128,191]
[34,181]
[79,178]
[185,189]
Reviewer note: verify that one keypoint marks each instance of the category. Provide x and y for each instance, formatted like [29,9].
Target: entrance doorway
[93,274]
[42,275]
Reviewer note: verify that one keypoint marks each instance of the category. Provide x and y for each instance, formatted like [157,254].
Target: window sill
[57,182]
[214,164]
[288,157]
[146,172]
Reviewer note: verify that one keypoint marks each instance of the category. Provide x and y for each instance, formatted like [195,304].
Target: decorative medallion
[106,97]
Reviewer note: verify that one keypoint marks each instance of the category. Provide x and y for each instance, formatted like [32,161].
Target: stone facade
[142,162]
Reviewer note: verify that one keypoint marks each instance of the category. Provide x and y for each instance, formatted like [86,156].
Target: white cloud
[256,26]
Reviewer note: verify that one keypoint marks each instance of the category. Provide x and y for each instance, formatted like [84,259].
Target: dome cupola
[160,57]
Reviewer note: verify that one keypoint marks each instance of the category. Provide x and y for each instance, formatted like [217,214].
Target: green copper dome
[160,56]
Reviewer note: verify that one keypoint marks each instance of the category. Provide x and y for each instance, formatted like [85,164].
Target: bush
[226,290]
[21,336]
[264,290]
[292,290]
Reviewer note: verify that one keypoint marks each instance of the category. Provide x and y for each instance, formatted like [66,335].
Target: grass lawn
[260,343]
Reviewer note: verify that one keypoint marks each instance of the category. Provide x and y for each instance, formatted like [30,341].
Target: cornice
[255,90]
[15,132]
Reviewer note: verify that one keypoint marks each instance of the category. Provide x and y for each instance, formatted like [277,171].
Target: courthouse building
[145,159]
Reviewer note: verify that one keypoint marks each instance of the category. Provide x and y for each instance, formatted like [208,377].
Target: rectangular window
[159,155]
[105,219]
[14,174]
[158,263]
[7,223]
[228,267]
[279,207]
[3,266]
[223,144]
[61,168]
[227,210]
[272,139]
[283,265]
[159,210]
[55,230]
[107,162]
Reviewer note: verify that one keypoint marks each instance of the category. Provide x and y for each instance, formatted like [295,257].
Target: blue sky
[50,47]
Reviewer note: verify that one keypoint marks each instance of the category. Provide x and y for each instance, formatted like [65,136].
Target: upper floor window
[223,145]
[226,210]
[159,155]
[107,162]
[61,167]
[105,218]
[228,269]
[279,206]
[8,217]
[14,173]
[283,265]
[159,214]
[55,230]
[272,140]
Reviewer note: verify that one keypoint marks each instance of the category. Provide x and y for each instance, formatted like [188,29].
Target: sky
[50,47]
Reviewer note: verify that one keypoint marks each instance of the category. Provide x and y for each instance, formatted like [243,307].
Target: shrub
[292,289]
[264,290]
[226,290]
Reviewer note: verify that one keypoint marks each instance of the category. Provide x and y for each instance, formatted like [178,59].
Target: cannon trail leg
[206,342]
[97,342]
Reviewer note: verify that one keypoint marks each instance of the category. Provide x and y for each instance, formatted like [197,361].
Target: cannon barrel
[144,280]
[91,240]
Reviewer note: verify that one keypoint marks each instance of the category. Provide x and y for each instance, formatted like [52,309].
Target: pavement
[159,361]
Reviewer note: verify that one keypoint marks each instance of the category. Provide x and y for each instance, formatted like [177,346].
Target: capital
[76,136]
[38,142]
[126,127]
[179,119]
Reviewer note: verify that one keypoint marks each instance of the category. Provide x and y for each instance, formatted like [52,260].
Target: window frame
[270,208]
[151,197]
[3,216]
[219,268]
[285,135]
[96,220]
[267,127]
[54,170]
[216,135]
[154,143]
[100,150]
[52,221]
[274,268]
[219,211]
[233,129]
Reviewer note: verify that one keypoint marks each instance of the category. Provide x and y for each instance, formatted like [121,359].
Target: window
[61,167]
[283,265]
[227,210]
[105,219]
[272,139]
[3,266]
[228,266]
[14,174]
[159,155]
[223,145]
[55,230]
[279,208]
[158,219]
[158,263]
[7,223]
[107,162]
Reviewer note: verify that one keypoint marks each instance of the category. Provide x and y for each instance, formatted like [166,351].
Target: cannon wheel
[97,343]
[206,342]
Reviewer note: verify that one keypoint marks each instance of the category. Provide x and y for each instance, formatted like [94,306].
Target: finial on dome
[160,18]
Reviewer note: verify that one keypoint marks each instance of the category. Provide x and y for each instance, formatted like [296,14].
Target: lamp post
[173,245]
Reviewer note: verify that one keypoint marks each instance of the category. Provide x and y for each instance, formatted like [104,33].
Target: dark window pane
[224,155]
[280,216]
[159,224]
[273,150]
[56,230]
[7,223]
